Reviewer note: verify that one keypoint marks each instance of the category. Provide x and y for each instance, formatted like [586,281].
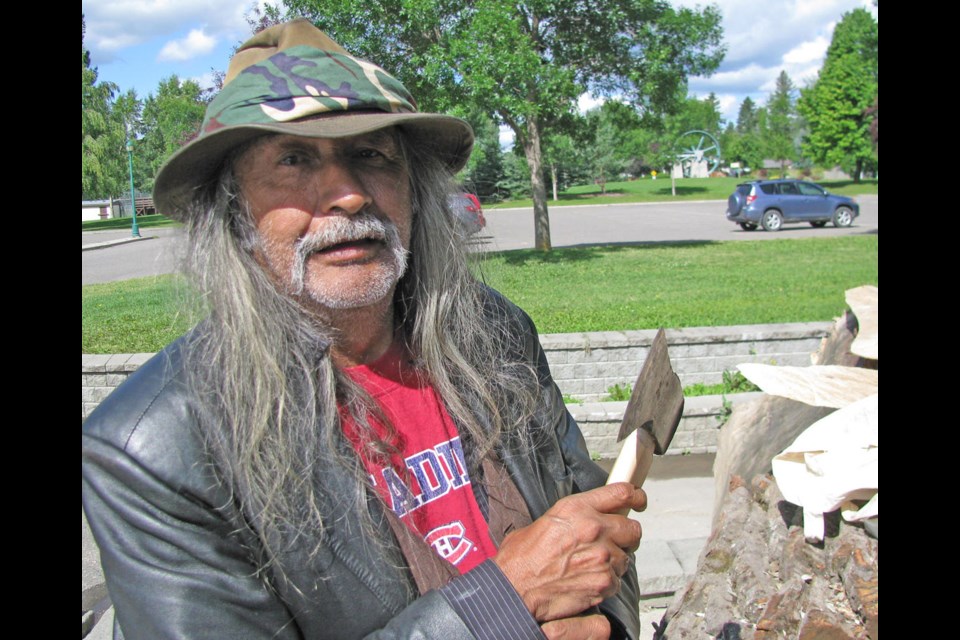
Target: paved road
[507,229]
[155,254]
[653,222]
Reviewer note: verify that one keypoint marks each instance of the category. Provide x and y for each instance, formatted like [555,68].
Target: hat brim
[450,139]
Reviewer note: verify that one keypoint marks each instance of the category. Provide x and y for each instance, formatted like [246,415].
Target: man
[360,439]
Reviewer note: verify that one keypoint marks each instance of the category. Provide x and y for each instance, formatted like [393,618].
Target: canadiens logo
[449,542]
[433,474]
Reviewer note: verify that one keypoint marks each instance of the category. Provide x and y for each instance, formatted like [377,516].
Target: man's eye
[292,159]
[370,153]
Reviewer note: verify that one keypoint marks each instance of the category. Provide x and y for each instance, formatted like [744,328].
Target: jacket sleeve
[622,609]
[174,566]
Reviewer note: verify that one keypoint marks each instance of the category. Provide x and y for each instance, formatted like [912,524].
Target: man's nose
[341,190]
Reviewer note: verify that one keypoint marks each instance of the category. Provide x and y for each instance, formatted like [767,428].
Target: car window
[743,189]
[808,189]
[789,189]
[769,189]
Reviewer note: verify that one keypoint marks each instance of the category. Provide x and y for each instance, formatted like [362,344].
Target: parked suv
[772,203]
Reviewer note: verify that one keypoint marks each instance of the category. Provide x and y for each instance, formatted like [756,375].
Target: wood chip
[819,386]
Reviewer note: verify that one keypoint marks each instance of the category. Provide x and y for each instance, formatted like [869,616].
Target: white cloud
[738,80]
[728,103]
[205,80]
[807,52]
[587,101]
[197,43]
[506,137]
[762,32]
[113,25]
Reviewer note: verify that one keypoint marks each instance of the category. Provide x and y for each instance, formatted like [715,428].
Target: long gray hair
[270,395]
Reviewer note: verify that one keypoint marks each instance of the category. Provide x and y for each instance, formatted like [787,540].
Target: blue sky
[136,43]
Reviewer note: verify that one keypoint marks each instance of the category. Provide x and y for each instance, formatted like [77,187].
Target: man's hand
[572,557]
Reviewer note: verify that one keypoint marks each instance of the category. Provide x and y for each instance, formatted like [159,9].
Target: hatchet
[651,416]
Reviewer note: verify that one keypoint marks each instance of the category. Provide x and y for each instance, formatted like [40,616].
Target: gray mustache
[338,229]
[363,226]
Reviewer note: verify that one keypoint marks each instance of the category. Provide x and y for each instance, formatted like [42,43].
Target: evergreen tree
[484,172]
[837,108]
[747,117]
[781,127]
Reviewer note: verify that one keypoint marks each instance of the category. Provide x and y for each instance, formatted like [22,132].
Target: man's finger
[612,498]
[624,533]
[579,628]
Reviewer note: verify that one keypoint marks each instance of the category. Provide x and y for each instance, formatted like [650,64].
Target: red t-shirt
[426,482]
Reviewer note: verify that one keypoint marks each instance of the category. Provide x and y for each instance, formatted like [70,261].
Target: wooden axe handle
[633,463]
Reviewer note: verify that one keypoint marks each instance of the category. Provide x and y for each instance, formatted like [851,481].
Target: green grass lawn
[571,290]
[685,285]
[132,316]
[125,223]
[647,190]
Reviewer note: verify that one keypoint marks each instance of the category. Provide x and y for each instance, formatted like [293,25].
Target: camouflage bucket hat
[292,78]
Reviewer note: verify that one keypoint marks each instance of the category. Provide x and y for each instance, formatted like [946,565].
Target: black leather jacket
[180,564]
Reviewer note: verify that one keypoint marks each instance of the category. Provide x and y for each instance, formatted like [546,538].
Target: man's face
[334,215]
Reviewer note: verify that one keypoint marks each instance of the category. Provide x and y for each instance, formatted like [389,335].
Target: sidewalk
[676,526]
[110,238]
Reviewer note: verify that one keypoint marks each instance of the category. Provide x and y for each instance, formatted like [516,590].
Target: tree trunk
[541,217]
[858,170]
[553,176]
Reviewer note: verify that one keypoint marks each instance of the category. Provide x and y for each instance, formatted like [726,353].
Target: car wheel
[843,217]
[816,224]
[772,220]
[748,226]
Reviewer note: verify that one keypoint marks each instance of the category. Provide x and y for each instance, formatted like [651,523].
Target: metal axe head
[656,403]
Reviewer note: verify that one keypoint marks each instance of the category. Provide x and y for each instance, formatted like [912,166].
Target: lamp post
[134,229]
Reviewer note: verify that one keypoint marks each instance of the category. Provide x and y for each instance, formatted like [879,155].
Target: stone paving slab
[658,569]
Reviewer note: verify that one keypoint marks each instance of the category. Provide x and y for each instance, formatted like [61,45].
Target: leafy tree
[779,133]
[171,118]
[838,107]
[526,63]
[702,115]
[605,127]
[747,149]
[98,129]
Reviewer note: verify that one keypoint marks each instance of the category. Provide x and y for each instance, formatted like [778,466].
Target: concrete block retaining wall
[100,374]
[697,433]
[585,365]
